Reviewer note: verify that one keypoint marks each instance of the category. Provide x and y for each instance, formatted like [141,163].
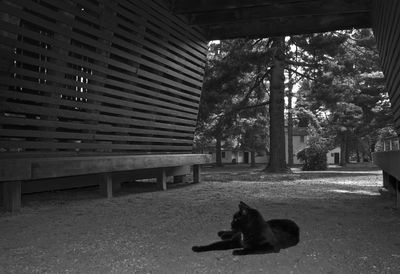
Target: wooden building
[96,87]
[111,86]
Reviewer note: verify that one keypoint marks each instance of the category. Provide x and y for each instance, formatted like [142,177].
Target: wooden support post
[105,185]
[386,180]
[162,179]
[12,195]
[196,173]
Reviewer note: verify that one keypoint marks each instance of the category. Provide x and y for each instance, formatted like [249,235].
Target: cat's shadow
[241,252]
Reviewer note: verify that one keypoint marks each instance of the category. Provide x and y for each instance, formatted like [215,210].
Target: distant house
[333,156]
[300,137]
[237,156]
[230,154]
[390,143]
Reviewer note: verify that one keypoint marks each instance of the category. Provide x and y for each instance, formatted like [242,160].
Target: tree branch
[253,106]
[301,64]
[301,74]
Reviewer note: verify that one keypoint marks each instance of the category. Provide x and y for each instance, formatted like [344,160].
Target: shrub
[314,155]
[313,158]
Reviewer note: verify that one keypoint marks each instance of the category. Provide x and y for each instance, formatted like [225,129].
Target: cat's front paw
[197,248]
[221,234]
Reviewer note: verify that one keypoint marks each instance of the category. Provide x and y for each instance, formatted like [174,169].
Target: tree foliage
[346,97]
[340,93]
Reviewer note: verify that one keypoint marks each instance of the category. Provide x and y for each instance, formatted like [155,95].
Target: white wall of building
[331,156]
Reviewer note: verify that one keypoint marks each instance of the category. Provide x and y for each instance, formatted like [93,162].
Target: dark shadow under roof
[225,19]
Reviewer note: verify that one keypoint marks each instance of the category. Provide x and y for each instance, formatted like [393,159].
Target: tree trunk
[253,158]
[218,153]
[343,149]
[277,109]
[290,122]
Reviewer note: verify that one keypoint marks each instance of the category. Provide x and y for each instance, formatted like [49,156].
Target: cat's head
[245,217]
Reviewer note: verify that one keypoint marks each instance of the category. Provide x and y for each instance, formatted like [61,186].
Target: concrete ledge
[111,169]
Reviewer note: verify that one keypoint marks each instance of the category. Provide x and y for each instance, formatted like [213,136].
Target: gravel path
[346,227]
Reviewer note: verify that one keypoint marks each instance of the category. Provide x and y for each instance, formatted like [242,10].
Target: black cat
[251,234]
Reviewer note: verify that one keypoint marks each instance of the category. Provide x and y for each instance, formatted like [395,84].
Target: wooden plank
[90,136]
[38,110]
[14,170]
[279,10]
[104,109]
[292,26]
[79,145]
[106,185]
[11,195]
[12,121]
[183,6]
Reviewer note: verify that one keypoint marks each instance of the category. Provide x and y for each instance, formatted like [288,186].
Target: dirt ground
[346,226]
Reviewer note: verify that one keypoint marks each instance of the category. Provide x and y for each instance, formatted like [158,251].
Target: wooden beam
[279,10]
[71,166]
[11,170]
[190,6]
[106,185]
[196,173]
[11,195]
[293,26]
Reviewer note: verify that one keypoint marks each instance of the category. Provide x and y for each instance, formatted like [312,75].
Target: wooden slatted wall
[387,32]
[97,77]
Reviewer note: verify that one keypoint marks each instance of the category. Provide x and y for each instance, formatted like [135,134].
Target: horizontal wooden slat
[40,110]
[98,146]
[114,111]
[130,100]
[89,136]
[13,122]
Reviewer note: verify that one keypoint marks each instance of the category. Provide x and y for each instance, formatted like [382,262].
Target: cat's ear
[243,207]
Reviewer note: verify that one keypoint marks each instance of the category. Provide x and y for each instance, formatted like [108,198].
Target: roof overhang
[226,19]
